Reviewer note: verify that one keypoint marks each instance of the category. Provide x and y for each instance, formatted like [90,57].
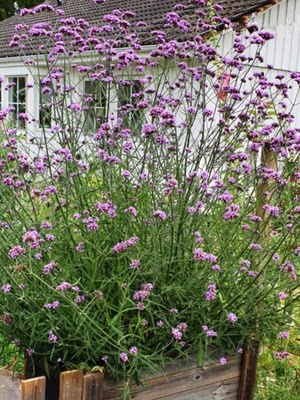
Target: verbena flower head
[63,286]
[123,357]
[133,350]
[232,317]
[16,251]
[52,337]
[283,335]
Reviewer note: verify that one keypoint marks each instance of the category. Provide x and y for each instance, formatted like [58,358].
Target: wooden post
[248,371]
[70,387]
[92,386]
[33,389]
[251,350]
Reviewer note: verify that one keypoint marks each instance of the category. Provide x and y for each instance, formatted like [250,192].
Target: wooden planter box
[183,380]
[186,381]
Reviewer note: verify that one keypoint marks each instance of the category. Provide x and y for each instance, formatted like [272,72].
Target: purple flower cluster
[63,286]
[232,317]
[52,306]
[283,335]
[123,246]
[52,337]
[177,332]
[6,288]
[133,350]
[281,355]
[197,208]
[200,255]
[232,212]
[80,247]
[49,267]
[160,215]
[272,210]
[107,208]
[209,332]
[289,269]
[226,197]
[91,223]
[31,238]
[211,294]
[135,264]
[16,252]
[141,295]
[282,296]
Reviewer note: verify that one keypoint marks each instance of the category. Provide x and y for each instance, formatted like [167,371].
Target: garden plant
[158,213]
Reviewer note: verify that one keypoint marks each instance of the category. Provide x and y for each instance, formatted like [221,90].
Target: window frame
[44,108]
[133,117]
[96,119]
[19,106]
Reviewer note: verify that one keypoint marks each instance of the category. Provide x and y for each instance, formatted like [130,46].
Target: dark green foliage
[7,6]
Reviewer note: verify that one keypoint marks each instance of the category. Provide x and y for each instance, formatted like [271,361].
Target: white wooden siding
[283,52]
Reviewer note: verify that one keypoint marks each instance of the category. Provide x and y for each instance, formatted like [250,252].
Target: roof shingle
[150,11]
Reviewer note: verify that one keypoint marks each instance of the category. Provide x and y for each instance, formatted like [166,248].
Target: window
[17,99]
[95,93]
[45,115]
[1,81]
[129,94]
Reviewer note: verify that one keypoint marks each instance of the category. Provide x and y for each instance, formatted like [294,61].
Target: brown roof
[150,11]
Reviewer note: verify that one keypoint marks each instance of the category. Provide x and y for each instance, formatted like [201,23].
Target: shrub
[150,220]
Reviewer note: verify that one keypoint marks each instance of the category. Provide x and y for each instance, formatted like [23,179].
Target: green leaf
[202,347]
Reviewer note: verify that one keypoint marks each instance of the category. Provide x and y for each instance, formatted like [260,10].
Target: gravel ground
[9,388]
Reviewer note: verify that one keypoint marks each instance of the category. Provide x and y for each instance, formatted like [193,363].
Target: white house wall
[283,52]
[284,20]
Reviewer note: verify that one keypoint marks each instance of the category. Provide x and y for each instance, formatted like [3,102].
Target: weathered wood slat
[179,381]
[188,364]
[70,387]
[174,389]
[216,391]
[92,386]
[227,389]
[183,380]
[33,389]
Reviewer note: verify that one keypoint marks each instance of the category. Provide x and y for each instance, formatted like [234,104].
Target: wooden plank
[92,386]
[70,386]
[33,389]
[185,364]
[180,381]
[217,391]
[227,389]
[175,389]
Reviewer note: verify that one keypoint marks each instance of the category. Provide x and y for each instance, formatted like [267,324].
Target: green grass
[278,379]
[10,358]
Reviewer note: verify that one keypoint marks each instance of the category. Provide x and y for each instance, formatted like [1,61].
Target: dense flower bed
[164,228]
